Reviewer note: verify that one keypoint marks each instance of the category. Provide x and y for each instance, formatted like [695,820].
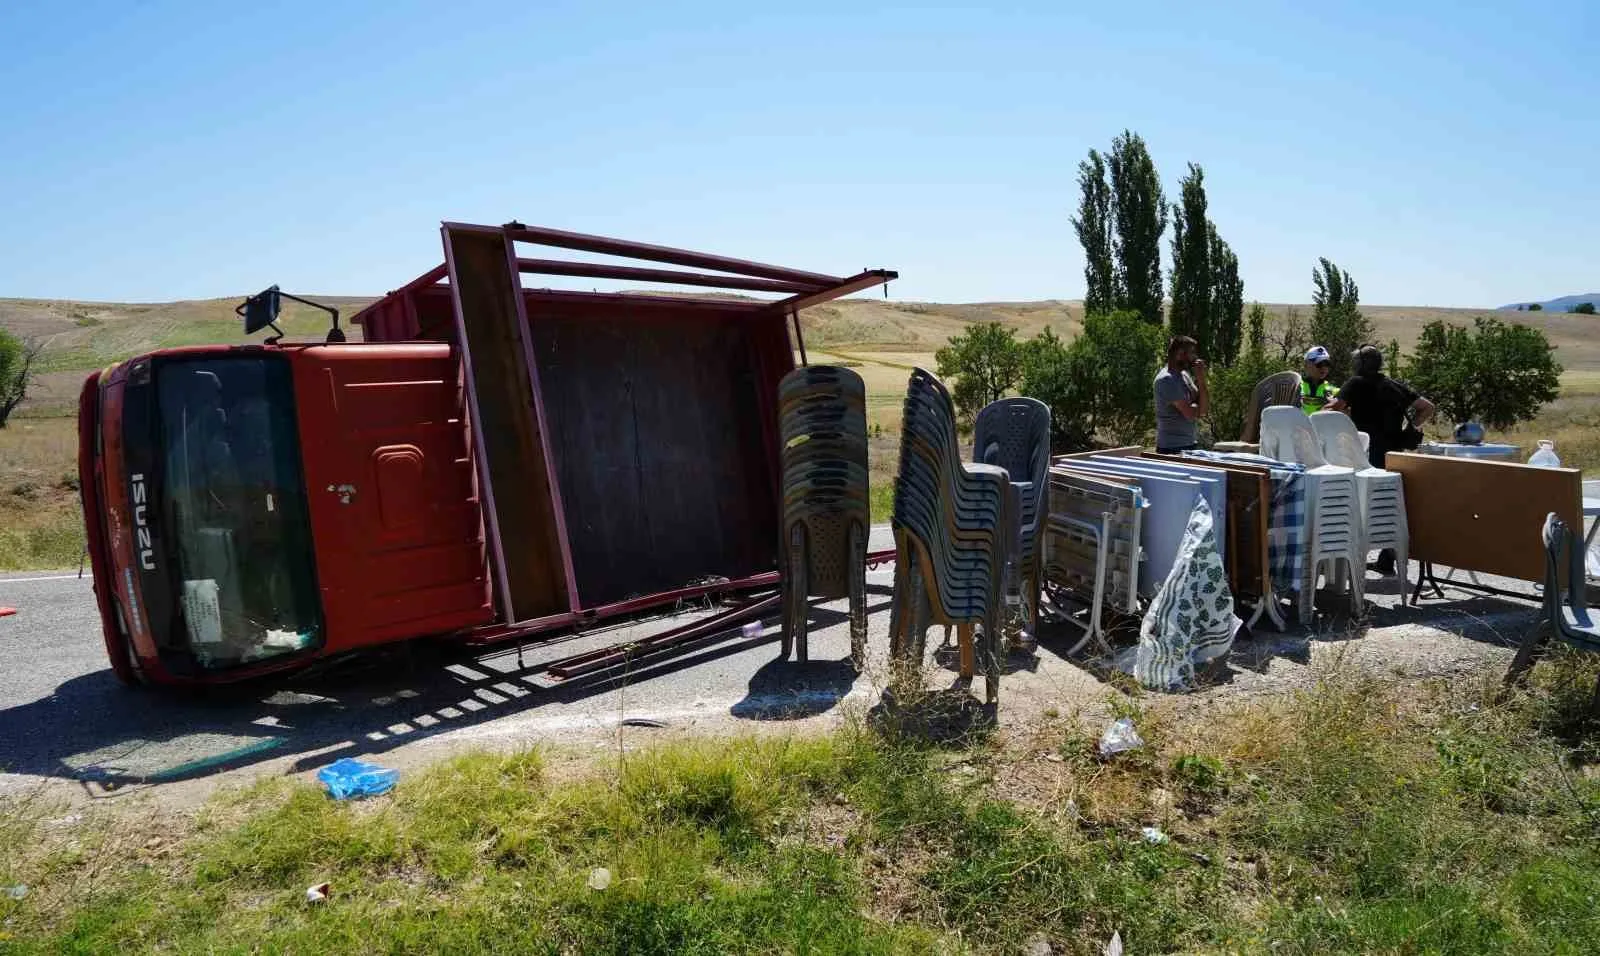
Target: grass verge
[1356,816]
[41,526]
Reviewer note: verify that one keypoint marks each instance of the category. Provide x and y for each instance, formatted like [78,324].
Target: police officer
[1315,389]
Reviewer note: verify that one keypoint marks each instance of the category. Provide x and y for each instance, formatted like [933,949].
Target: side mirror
[260,310]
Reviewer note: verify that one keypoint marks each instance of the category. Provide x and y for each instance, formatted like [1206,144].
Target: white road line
[50,577]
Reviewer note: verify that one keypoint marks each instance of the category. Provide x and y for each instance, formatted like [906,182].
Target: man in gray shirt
[1181,397]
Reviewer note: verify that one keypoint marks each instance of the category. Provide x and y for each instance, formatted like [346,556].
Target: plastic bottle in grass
[1545,457]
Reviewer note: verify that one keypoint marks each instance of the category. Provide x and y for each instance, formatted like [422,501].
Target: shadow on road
[794,690]
[1486,619]
[111,738]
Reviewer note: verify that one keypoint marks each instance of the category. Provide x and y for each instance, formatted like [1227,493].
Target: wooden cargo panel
[507,429]
[1485,515]
[657,428]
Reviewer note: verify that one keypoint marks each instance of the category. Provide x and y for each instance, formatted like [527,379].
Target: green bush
[1100,384]
[1497,374]
[1056,375]
[1231,388]
[1355,814]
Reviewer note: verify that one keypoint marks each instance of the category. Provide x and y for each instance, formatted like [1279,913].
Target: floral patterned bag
[1191,621]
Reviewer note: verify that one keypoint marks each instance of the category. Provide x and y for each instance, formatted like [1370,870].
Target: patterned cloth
[1191,620]
[1288,538]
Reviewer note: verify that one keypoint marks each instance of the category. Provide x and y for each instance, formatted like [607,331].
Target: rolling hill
[1561,304]
[81,336]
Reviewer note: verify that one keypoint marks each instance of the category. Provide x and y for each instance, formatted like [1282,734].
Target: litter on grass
[348,777]
[1118,737]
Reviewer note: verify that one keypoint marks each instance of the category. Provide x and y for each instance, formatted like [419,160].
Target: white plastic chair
[1334,521]
[1383,497]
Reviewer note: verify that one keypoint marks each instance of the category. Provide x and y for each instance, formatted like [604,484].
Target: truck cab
[250,507]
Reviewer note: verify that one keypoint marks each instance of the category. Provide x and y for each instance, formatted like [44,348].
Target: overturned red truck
[491,462]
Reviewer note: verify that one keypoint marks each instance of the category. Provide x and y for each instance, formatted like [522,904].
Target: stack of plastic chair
[1281,388]
[1334,522]
[951,522]
[1382,493]
[822,414]
[1014,433]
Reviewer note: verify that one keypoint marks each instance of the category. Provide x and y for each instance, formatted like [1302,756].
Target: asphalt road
[66,723]
[64,716]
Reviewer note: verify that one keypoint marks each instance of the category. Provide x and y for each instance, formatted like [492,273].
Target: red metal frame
[666,644]
[479,454]
[560,239]
[802,290]
[398,317]
[500,632]
[595,270]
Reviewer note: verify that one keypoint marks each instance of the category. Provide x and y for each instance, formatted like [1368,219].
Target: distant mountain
[1562,304]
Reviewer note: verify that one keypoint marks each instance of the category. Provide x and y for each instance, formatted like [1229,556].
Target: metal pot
[1469,433]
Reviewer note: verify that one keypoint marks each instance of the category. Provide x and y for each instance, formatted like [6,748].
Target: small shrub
[1200,772]
[985,363]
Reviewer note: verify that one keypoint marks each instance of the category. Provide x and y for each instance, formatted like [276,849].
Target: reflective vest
[1315,399]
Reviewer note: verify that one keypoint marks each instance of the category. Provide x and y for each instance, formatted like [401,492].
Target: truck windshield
[233,507]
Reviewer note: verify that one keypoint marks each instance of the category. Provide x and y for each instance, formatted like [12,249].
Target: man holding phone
[1182,398]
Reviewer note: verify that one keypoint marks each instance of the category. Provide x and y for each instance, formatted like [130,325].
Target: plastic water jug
[1545,457]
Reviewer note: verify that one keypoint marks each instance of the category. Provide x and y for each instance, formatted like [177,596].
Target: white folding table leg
[1101,537]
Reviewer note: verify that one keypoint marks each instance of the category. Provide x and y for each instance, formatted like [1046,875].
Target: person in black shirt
[1380,406]
[1383,408]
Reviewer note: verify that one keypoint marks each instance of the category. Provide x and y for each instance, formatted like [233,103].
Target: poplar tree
[1140,211]
[1093,224]
[1191,264]
[1258,328]
[1227,298]
[1336,320]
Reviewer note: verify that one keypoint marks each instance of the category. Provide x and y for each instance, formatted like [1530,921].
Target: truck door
[394,511]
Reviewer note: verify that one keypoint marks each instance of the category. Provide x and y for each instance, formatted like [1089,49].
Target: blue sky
[1444,156]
